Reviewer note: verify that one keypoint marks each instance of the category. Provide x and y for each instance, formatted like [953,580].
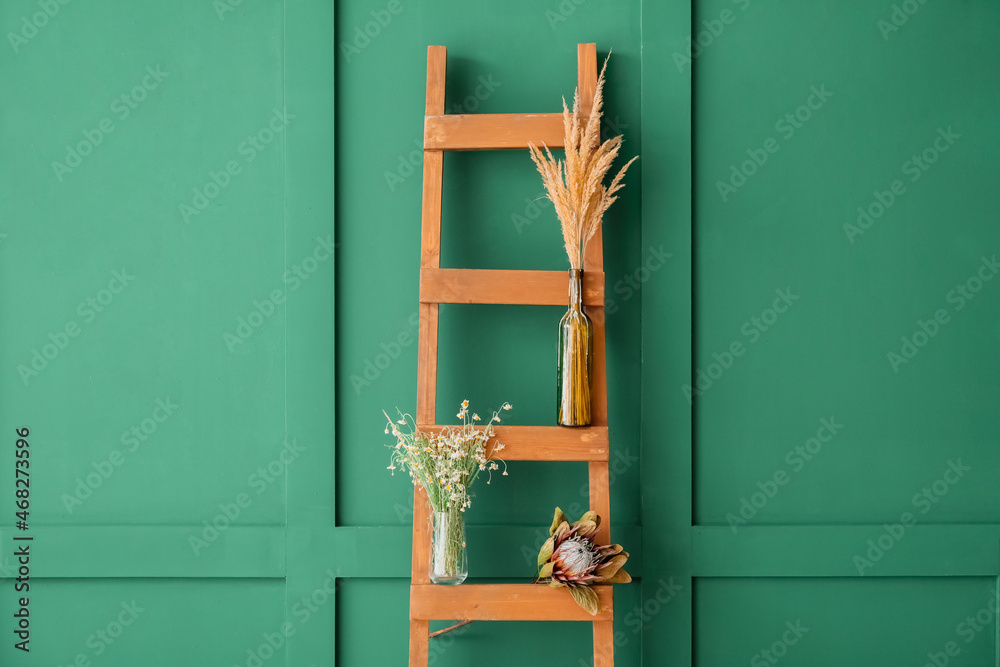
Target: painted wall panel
[828,622]
[879,322]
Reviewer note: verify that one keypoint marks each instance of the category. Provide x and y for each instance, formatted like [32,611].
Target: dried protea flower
[569,558]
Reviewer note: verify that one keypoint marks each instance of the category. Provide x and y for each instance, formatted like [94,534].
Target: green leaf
[591,516]
[546,571]
[557,519]
[546,553]
[587,598]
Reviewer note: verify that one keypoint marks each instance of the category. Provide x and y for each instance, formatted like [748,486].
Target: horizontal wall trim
[846,551]
[501,551]
[259,552]
[148,552]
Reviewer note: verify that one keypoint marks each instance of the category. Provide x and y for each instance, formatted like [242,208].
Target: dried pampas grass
[576,185]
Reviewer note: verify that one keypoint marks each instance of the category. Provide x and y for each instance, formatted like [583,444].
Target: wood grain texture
[503,602]
[599,370]
[419,643]
[491,286]
[600,498]
[546,443]
[586,75]
[604,644]
[481,132]
[427,353]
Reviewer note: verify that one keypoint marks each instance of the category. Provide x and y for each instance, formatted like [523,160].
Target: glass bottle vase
[576,345]
[448,563]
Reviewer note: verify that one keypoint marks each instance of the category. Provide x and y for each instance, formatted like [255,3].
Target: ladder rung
[502,602]
[548,443]
[482,132]
[535,288]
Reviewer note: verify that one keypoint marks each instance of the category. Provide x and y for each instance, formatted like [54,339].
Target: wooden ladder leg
[604,644]
[419,643]
[427,352]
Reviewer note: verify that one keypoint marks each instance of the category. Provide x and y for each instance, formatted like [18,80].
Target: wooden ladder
[506,602]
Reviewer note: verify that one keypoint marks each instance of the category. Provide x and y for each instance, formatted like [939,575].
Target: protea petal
[586,597]
[562,531]
[585,528]
[621,577]
[608,569]
[557,519]
[546,571]
[546,552]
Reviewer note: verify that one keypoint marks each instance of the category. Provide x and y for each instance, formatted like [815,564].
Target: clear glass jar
[448,564]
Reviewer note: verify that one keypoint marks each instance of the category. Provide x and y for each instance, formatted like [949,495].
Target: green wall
[197,333]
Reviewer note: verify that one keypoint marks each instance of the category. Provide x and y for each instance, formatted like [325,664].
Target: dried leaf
[587,598]
[546,551]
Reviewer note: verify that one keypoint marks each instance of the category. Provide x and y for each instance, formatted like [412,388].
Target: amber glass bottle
[576,342]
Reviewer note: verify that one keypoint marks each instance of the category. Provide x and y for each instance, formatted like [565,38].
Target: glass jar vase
[448,563]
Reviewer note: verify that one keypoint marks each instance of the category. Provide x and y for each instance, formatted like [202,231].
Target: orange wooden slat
[535,288]
[600,498]
[586,74]
[430,256]
[604,644]
[599,370]
[503,602]
[547,443]
[420,643]
[481,132]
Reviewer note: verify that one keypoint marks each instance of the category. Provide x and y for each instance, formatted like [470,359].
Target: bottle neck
[576,288]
